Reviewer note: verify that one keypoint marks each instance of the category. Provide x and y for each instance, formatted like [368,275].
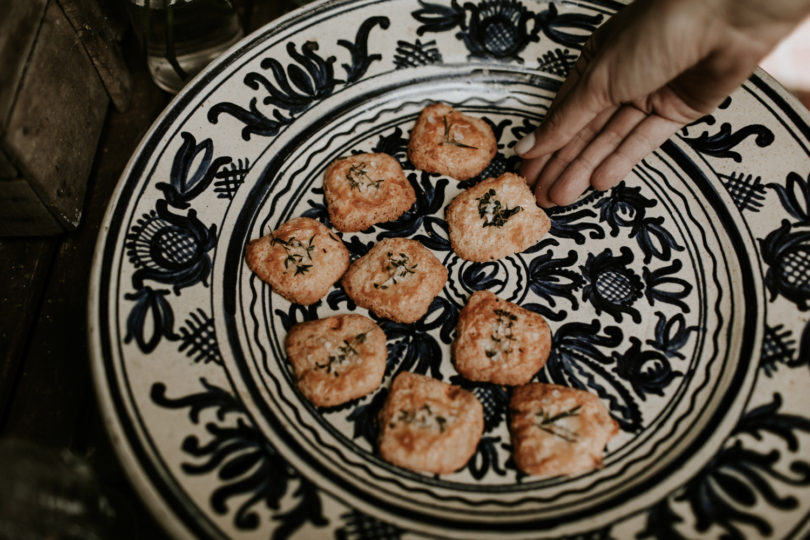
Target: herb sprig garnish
[424,417]
[359,178]
[297,253]
[399,266]
[548,424]
[449,140]
[492,211]
[502,335]
[345,353]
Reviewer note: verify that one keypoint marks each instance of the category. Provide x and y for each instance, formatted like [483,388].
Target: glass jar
[181,37]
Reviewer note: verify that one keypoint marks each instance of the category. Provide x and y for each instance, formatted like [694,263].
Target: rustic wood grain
[48,389]
[22,279]
[22,211]
[19,27]
[101,38]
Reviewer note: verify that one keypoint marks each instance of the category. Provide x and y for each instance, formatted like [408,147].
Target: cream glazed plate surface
[681,297]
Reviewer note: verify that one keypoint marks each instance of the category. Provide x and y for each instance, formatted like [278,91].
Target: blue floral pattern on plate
[680,296]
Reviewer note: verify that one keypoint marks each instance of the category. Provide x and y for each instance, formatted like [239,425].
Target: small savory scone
[430,426]
[499,342]
[366,189]
[558,430]
[495,218]
[337,359]
[397,279]
[449,142]
[300,260]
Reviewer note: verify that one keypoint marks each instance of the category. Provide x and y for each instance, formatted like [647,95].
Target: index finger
[574,107]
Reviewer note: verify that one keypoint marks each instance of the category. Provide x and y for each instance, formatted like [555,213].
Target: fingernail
[525,144]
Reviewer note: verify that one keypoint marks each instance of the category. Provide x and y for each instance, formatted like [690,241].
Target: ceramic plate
[679,297]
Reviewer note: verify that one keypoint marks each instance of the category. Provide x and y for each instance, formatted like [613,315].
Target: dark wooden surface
[46,392]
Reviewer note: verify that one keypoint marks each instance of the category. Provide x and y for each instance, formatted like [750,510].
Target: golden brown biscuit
[397,279]
[448,142]
[495,218]
[366,189]
[427,425]
[337,359]
[300,260]
[499,342]
[558,430]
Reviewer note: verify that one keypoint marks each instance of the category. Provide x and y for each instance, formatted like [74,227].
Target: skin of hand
[654,67]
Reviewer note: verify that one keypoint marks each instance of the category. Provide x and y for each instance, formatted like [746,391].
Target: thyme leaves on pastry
[345,353]
[398,267]
[297,253]
[502,336]
[549,424]
[448,139]
[360,179]
[492,211]
[424,418]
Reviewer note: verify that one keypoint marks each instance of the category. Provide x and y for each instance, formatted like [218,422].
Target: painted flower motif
[671,335]
[795,196]
[625,207]
[664,285]
[253,476]
[787,253]
[648,371]
[578,359]
[552,279]
[170,248]
[742,484]
[491,29]
[150,319]
[611,285]
[498,29]
[185,182]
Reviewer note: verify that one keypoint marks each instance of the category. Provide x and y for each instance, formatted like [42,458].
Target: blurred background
[789,63]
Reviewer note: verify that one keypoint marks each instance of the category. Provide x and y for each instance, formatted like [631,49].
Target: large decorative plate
[680,297]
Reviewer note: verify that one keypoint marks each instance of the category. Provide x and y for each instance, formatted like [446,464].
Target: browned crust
[369,282]
[499,342]
[448,142]
[428,425]
[470,236]
[365,189]
[337,359]
[567,437]
[320,250]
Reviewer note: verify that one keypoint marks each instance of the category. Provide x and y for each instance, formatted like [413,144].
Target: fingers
[557,162]
[565,185]
[571,110]
[626,137]
[646,137]
[530,169]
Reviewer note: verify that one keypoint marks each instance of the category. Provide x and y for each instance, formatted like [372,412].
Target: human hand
[654,67]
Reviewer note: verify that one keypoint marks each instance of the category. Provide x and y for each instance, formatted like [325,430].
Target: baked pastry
[365,189]
[495,218]
[337,359]
[428,425]
[557,430]
[448,142]
[397,279]
[499,342]
[300,260]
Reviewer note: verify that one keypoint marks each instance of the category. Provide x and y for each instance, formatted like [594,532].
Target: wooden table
[46,391]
